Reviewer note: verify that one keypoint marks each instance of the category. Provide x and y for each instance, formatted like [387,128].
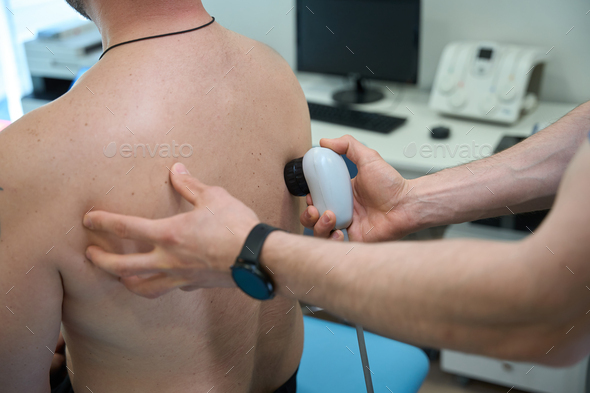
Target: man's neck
[120,21]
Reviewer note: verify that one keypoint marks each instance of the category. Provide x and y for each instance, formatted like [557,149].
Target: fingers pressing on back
[149,287]
[186,185]
[126,227]
[125,265]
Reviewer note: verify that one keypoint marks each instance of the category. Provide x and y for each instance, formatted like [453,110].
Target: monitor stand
[359,95]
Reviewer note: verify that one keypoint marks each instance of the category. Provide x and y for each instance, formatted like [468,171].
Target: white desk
[411,103]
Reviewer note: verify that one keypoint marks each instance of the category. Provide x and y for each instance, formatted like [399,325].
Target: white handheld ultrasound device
[324,174]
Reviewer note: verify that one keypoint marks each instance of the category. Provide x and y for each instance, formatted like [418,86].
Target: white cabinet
[523,376]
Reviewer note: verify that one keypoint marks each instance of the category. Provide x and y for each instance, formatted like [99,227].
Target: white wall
[254,18]
[537,22]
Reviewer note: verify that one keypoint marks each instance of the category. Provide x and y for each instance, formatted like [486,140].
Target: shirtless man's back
[234,114]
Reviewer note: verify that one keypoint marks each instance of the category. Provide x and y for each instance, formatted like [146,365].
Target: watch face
[250,280]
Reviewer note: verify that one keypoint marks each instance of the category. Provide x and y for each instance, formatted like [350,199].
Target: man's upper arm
[30,285]
[560,252]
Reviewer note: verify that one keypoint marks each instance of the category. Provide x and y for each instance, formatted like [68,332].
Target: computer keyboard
[352,118]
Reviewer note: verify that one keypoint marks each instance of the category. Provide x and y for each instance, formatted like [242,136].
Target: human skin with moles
[523,300]
[53,170]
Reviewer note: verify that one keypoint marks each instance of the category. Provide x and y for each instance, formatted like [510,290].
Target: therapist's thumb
[354,150]
[189,187]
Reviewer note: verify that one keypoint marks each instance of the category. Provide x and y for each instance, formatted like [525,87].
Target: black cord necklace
[157,36]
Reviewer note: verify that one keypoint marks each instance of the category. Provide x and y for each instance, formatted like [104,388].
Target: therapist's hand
[191,250]
[379,194]
[57,370]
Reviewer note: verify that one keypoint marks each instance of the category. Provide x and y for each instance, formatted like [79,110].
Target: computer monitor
[374,39]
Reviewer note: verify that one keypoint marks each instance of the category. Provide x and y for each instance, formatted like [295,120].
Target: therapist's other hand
[57,370]
[191,250]
[379,192]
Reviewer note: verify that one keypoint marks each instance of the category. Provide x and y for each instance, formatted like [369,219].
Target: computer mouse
[440,132]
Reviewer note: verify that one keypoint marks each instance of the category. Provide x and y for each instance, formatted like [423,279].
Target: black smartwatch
[247,272]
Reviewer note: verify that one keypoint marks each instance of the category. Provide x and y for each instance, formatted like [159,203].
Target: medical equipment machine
[324,174]
[488,81]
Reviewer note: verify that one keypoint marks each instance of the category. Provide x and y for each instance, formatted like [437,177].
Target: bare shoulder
[28,275]
[32,162]
[39,157]
[28,151]
[264,65]
[21,147]
[258,54]
[274,88]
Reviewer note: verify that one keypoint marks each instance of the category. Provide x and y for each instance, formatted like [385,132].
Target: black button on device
[441,132]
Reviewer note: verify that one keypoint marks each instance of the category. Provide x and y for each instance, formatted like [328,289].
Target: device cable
[360,334]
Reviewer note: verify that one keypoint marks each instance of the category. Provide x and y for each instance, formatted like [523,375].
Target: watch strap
[253,245]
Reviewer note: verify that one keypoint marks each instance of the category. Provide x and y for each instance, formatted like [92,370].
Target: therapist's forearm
[427,293]
[520,179]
